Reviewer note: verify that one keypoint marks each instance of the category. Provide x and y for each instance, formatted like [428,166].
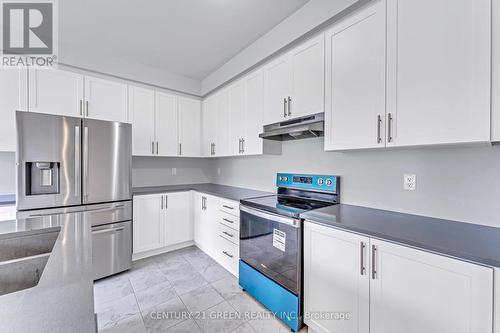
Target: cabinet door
[178,221]
[438,72]
[415,291]
[237,119]
[166,124]
[336,279]
[355,80]
[209,116]
[189,114]
[105,99]
[277,88]
[11,95]
[223,122]
[55,92]
[142,115]
[253,113]
[308,78]
[148,221]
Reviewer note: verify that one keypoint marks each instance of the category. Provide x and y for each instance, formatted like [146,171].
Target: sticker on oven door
[279,239]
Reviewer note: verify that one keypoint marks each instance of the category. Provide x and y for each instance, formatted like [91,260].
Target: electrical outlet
[174,171]
[218,171]
[409,182]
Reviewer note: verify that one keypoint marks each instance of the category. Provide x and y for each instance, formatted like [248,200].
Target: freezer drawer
[111,248]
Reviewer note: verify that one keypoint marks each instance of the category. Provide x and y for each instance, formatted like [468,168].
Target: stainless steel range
[271,241]
[68,165]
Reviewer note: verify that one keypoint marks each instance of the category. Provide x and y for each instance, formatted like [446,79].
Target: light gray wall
[153,171]
[458,183]
[7,173]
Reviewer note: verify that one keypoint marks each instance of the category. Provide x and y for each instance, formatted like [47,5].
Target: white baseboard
[146,254]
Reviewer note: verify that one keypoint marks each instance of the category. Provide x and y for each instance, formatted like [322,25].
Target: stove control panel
[324,183]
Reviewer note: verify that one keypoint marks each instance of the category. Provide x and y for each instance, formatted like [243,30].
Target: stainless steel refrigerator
[78,165]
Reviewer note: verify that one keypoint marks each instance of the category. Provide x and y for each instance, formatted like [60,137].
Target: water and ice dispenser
[42,178]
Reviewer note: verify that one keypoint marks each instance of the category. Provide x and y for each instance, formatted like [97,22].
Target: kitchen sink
[23,259]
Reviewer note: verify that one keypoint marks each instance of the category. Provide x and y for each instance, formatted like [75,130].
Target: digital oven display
[302,180]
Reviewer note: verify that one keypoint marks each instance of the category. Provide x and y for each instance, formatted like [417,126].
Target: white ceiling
[186,37]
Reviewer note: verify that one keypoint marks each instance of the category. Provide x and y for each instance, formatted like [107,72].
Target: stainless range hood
[295,129]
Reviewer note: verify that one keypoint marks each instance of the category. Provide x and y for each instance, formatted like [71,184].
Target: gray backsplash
[458,182]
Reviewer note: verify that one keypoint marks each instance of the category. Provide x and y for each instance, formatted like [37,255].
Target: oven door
[272,245]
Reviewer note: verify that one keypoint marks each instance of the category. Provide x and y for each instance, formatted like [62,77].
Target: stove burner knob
[281,178]
[321,181]
[285,179]
[328,182]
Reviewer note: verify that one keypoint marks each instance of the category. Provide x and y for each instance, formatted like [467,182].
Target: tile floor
[159,293]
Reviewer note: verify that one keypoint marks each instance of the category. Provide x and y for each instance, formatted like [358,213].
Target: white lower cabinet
[205,222]
[389,288]
[336,279]
[162,221]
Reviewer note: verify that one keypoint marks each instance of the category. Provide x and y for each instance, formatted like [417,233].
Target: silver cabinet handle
[102,231]
[284,107]
[289,106]
[203,203]
[379,121]
[161,205]
[362,258]
[87,107]
[224,219]
[374,262]
[166,202]
[180,149]
[81,107]
[242,145]
[214,148]
[227,254]
[389,127]
[228,207]
[156,147]
[152,147]
[77,160]
[228,234]
[85,162]
[239,146]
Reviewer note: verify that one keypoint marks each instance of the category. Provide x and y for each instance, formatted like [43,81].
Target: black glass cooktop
[284,205]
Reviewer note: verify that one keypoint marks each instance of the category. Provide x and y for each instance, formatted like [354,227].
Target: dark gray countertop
[471,242]
[7,199]
[63,300]
[223,191]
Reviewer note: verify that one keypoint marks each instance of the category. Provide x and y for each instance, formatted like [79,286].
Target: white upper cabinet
[12,97]
[209,129]
[495,80]
[294,83]
[105,100]
[414,291]
[237,116]
[308,78]
[166,124]
[56,92]
[355,80]
[222,143]
[438,71]
[142,116]
[253,113]
[277,88]
[189,120]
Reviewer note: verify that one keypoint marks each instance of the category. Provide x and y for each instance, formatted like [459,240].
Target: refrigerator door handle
[85,162]
[77,161]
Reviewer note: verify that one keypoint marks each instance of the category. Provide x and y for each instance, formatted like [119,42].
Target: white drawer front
[230,207]
[229,255]
[230,220]
[229,233]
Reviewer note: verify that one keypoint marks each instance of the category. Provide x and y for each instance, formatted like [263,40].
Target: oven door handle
[273,217]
